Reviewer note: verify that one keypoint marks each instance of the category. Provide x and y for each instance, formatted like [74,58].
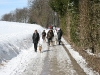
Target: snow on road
[26,59]
[52,61]
[30,63]
[59,61]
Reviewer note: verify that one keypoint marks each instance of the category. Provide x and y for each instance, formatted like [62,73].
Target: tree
[59,6]
[7,17]
[40,12]
[21,15]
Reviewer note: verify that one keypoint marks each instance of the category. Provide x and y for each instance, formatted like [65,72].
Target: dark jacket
[59,33]
[35,37]
[43,33]
[50,35]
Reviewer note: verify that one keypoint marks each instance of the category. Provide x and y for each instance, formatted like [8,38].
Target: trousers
[35,46]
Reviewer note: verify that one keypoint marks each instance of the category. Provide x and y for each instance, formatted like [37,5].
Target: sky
[17,37]
[7,6]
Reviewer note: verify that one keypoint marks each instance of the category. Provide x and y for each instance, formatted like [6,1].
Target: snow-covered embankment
[15,37]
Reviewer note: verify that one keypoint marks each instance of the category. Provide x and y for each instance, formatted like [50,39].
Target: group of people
[50,35]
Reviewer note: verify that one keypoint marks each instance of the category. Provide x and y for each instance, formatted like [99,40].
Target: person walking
[43,35]
[35,38]
[59,33]
[50,35]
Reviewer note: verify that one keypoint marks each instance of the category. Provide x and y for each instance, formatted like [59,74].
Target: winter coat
[50,35]
[43,33]
[35,37]
[59,33]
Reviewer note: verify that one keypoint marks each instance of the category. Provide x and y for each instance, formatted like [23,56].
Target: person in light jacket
[35,38]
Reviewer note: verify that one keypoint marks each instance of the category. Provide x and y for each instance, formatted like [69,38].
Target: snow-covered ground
[15,37]
[17,51]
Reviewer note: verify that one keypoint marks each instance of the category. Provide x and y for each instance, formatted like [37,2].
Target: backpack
[49,35]
[44,34]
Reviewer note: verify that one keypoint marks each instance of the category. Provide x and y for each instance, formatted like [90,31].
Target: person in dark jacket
[43,35]
[50,35]
[35,38]
[59,33]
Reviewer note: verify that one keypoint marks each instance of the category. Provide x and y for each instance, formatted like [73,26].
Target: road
[54,60]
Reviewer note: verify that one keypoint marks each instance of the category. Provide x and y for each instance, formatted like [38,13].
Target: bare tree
[7,17]
[41,13]
[38,11]
[21,15]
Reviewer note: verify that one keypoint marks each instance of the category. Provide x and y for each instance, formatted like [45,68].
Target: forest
[78,19]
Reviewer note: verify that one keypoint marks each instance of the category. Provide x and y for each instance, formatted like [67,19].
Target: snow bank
[15,37]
